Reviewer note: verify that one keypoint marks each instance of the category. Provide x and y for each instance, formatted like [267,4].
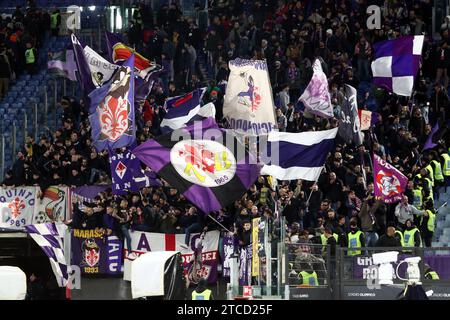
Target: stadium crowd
[290,35]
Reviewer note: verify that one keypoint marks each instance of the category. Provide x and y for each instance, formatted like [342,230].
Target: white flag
[316,97]
[248,103]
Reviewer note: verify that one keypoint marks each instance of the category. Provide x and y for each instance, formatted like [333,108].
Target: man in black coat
[389,239]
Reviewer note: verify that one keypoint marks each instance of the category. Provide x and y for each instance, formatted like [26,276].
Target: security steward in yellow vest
[399,236]
[55,22]
[445,161]
[427,223]
[30,58]
[329,238]
[308,278]
[426,183]
[201,292]
[411,235]
[429,273]
[355,240]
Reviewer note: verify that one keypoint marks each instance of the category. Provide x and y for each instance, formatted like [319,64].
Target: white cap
[329,31]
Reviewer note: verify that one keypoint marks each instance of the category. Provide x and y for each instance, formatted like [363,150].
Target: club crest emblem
[203,162]
[121,169]
[388,184]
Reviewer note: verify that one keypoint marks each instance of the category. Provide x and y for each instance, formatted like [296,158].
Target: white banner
[53,206]
[17,206]
[142,242]
[101,69]
[248,103]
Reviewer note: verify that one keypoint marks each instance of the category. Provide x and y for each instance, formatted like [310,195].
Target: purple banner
[363,267]
[111,113]
[245,266]
[127,175]
[87,193]
[389,182]
[95,252]
[228,244]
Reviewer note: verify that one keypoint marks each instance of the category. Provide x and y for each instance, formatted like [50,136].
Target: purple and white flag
[292,156]
[389,182]
[316,96]
[127,174]
[245,266]
[111,112]
[49,237]
[209,173]
[396,63]
[185,108]
[229,242]
[429,144]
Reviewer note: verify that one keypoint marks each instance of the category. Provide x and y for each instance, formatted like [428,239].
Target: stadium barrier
[358,277]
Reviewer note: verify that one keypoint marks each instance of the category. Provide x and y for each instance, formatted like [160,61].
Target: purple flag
[183,109]
[389,182]
[245,266]
[95,252]
[229,242]
[207,172]
[50,237]
[429,144]
[316,96]
[111,112]
[396,63]
[127,174]
[83,68]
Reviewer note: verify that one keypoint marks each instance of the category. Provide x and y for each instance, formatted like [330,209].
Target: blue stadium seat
[446,232]
[12,94]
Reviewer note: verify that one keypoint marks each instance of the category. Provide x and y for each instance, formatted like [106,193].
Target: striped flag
[186,108]
[49,237]
[300,155]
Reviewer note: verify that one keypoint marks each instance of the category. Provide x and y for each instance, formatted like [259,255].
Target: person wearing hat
[201,292]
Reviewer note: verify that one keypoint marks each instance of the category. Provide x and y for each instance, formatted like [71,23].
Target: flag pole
[310,194]
[214,219]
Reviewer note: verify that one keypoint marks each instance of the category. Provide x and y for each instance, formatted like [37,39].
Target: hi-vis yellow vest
[429,168]
[354,242]
[437,171]
[430,223]
[446,168]
[309,279]
[417,198]
[205,295]
[54,20]
[29,56]
[409,237]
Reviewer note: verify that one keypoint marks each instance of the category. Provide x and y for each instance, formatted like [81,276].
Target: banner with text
[96,252]
[142,242]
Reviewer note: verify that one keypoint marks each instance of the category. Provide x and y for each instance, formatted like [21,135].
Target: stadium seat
[446,232]
[444,238]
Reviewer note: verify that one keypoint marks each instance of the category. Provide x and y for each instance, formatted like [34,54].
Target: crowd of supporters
[290,35]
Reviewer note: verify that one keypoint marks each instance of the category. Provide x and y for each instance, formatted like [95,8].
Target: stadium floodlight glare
[92,8]
[385,268]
